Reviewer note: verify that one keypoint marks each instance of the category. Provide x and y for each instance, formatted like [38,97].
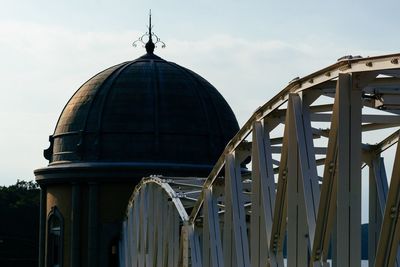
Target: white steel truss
[287,190]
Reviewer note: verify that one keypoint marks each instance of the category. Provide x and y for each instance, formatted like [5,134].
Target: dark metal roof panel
[146,110]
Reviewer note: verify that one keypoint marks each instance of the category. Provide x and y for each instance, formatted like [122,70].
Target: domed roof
[146,111]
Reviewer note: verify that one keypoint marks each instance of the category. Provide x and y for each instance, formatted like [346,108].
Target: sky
[249,50]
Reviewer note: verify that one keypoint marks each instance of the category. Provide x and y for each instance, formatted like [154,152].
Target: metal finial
[150,26]
[150,45]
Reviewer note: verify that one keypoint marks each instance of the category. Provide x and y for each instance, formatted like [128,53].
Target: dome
[146,111]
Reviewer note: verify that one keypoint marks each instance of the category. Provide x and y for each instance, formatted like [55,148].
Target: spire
[150,45]
[150,26]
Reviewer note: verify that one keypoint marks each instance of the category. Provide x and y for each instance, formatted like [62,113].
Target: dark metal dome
[146,111]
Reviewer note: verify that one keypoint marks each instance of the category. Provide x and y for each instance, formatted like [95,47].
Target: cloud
[42,65]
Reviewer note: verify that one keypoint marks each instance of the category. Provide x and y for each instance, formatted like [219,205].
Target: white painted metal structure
[306,151]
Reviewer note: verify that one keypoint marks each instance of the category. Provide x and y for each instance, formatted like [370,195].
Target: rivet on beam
[395,61]
[331,165]
[284,172]
[393,212]
[368,64]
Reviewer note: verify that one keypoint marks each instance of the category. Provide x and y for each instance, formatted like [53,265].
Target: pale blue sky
[249,50]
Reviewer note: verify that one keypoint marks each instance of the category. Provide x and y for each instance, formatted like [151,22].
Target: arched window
[55,229]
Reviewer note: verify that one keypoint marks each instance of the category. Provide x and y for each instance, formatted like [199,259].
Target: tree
[19,224]
[22,194]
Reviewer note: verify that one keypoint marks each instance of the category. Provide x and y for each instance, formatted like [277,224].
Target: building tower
[138,118]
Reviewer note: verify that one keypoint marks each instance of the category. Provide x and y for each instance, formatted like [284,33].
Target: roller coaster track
[296,175]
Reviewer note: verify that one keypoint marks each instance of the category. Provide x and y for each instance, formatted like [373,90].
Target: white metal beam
[212,246]
[263,194]
[234,204]
[390,233]
[349,173]
[280,210]
[307,162]
[327,205]
[377,192]
[297,229]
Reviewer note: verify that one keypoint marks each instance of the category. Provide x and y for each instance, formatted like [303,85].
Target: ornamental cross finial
[150,45]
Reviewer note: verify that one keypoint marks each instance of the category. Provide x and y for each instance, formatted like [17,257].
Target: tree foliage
[22,194]
[19,224]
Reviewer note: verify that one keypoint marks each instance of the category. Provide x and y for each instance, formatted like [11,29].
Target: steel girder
[308,146]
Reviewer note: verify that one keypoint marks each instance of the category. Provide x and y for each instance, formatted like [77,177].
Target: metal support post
[263,195]
[297,230]
[151,225]
[388,244]
[280,210]
[134,221]
[195,253]
[301,126]
[160,227]
[184,246]
[349,174]
[234,204]
[212,247]
[143,224]
[325,224]
[374,214]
